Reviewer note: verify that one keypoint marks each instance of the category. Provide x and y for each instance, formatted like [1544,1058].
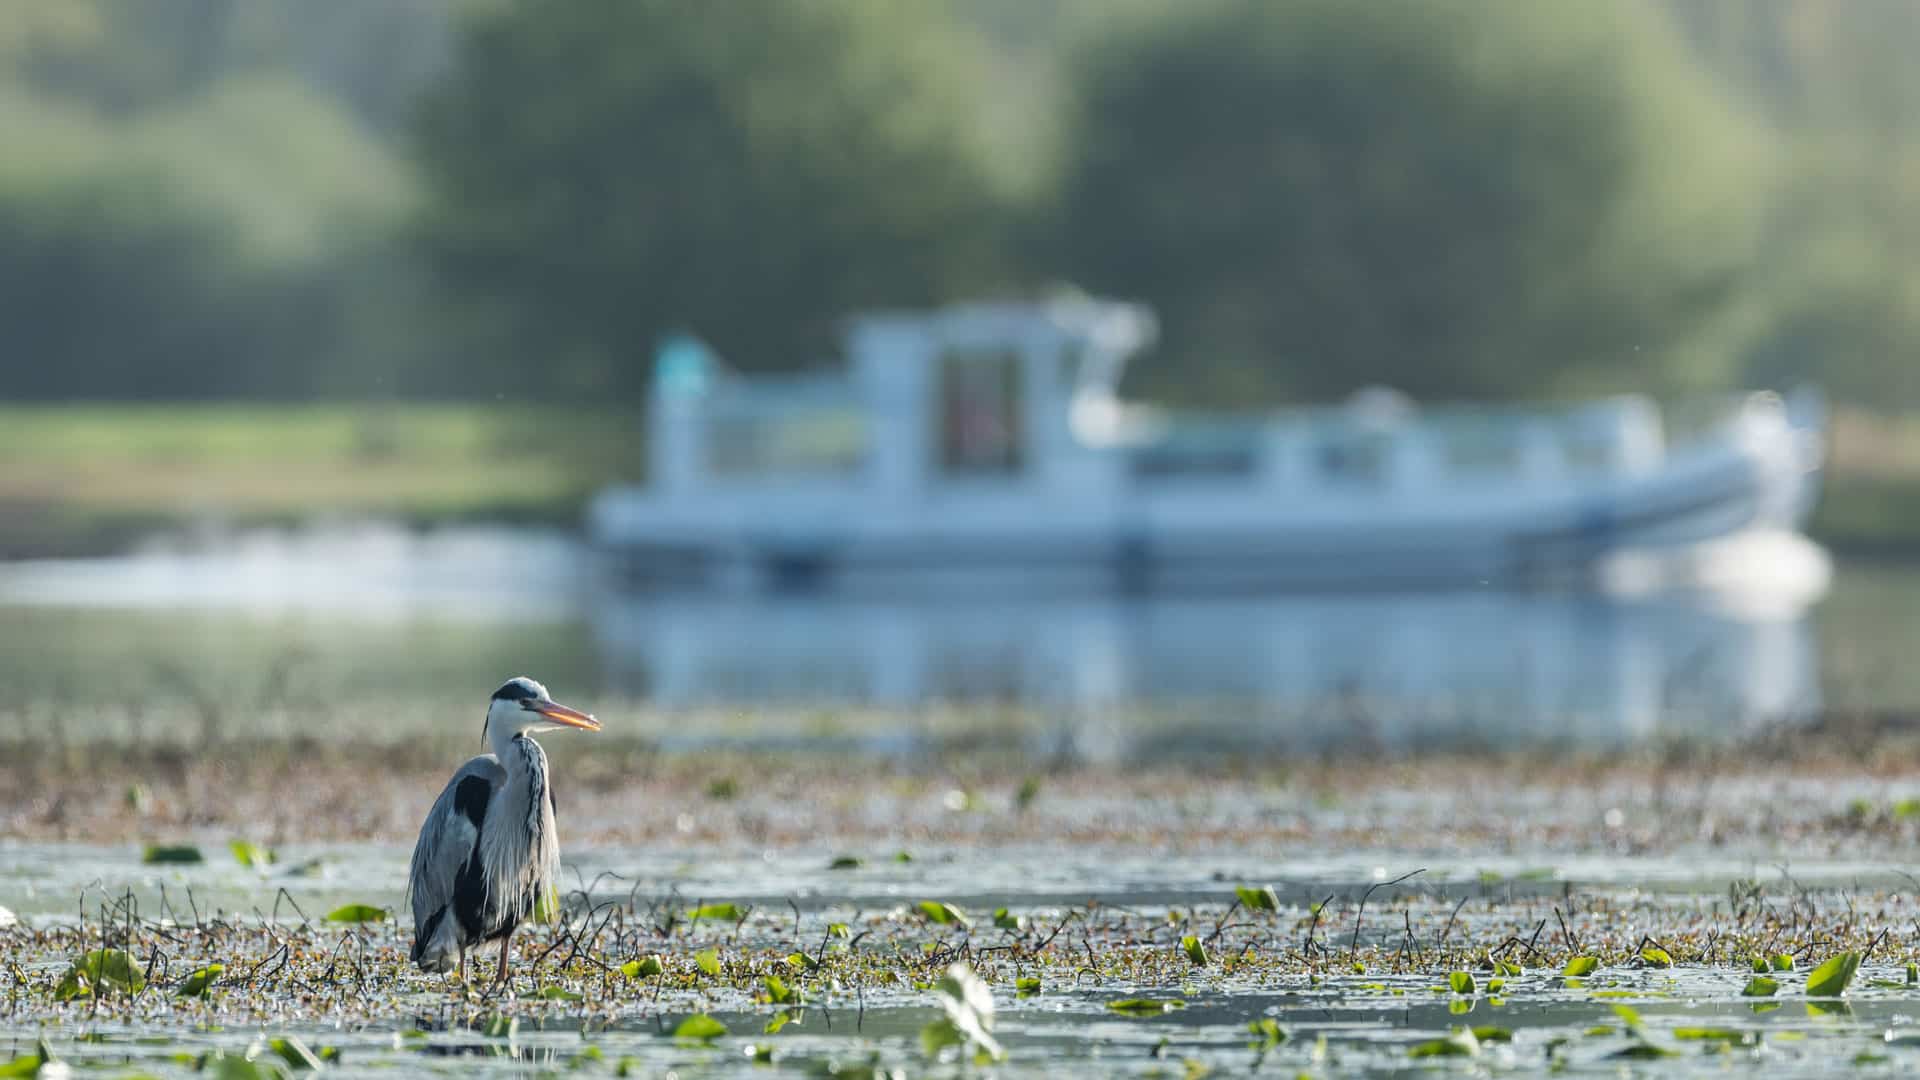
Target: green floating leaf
[101,971]
[558,993]
[1832,978]
[1196,952]
[847,862]
[944,913]
[1782,962]
[499,1026]
[1027,985]
[1580,966]
[1268,1033]
[1461,1043]
[1643,1051]
[295,1053]
[701,1027]
[1760,986]
[1145,1006]
[1261,898]
[1628,1015]
[250,855]
[1913,973]
[1655,956]
[174,853]
[721,912]
[357,913]
[707,960]
[1712,1034]
[643,968]
[1007,920]
[1487,1033]
[779,993]
[201,981]
[968,1004]
[800,961]
[1460,982]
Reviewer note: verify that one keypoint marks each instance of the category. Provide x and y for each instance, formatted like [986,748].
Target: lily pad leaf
[250,854]
[1461,1043]
[645,967]
[171,853]
[1260,898]
[357,913]
[1145,1006]
[1196,952]
[721,912]
[945,914]
[700,1027]
[707,960]
[200,981]
[1580,966]
[1832,978]
[1760,986]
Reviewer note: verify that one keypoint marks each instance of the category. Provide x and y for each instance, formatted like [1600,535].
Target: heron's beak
[560,714]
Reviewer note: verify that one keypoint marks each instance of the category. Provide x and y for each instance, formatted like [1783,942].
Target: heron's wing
[448,834]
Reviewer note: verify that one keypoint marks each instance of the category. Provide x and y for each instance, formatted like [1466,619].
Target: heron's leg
[500,978]
[463,967]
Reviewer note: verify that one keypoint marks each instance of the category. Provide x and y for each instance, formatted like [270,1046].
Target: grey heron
[488,851]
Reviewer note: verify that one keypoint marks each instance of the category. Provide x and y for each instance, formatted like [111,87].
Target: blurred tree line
[451,198]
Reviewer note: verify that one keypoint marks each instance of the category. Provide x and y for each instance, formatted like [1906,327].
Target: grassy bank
[90,478]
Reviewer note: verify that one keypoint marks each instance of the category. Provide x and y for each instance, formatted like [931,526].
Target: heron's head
[522,706]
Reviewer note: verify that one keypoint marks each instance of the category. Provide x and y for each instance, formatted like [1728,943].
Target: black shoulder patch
[470,798]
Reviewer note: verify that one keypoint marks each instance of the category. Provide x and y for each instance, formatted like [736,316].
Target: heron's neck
[520,754]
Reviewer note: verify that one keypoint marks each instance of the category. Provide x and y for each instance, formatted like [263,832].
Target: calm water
[277,620]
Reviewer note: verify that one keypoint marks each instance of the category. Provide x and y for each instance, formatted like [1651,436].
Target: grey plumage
[489,849]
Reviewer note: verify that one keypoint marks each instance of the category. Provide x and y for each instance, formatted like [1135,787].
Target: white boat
[986,447]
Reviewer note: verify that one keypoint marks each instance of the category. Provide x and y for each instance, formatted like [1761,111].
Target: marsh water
[375,633]
[299,617]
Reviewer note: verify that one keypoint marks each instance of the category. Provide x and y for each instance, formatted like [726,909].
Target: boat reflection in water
[1443,669]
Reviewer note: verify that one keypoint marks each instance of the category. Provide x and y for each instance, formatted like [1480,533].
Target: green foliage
[1832,978]
[700,1027]
[1196,952]
[1145,1006]
[945,914]
[1257,898]
[1461,1043]
[708,960]
[968,1024]
[607,171]
[1760,986]
[178,853]
[356,913]
[1580,966]
[644,968]
[722,912]
[1655,956]
[101,972]
[251,855]
[198,983]
[1460,982]
[1570,205]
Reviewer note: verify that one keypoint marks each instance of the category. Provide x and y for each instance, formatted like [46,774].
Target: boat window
[980,408]
[1358,460]
[785,442]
